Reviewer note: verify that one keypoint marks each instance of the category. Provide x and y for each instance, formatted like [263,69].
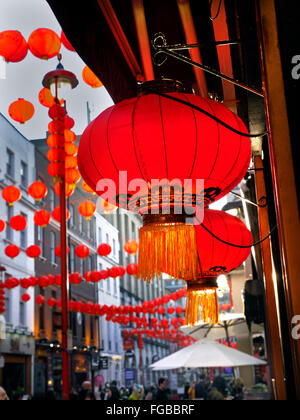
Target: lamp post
[59,82]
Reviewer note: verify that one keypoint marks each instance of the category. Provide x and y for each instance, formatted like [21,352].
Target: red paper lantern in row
[18,223]
[42,218]
[132,269]
[90,78]
[75,278]
[33,251]
[82,251]
[44,43]
[104,250]
[72,177]
[12,251]
[131,247]
[87,209]
[65,42]
[2,225]
[11,283]
[11,194]
[38,190]
[69,189]
[25,297]
[46,98]
[21,110]
[51,302]
[13,46]
[215,258]
[56,214]
[57,251]
[155,138]
[40,300]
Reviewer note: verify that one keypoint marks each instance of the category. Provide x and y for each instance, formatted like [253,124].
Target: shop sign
[130,375]
[104,363]
[128,344]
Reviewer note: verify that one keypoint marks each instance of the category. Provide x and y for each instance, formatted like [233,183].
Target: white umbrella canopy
[206,353]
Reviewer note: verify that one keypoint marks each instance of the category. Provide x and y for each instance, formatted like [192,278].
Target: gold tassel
[201,305]
[167,247]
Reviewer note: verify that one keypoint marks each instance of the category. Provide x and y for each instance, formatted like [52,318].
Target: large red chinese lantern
[90,78]
[42,218]
[87,209]
[163,142]
[11,195]
[44,43]
[223,244]
[21,110]
[38,190]
[12,251]
[18,223]
[13,46]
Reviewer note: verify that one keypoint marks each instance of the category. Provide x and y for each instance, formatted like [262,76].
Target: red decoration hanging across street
[87,209]
[56,214]
[82,251]
[132,269]
[131,247]
[33,251]
[57,251]
[44,43]
[46,98]
[157,138]
[18,223]
[12,251]
[42,218]
[25,297]
[38,190]
[104,250]
[21,110]
[11,194]
[13,46]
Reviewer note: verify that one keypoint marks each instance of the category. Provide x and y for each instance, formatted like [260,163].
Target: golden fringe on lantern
[202,305]
[167,248]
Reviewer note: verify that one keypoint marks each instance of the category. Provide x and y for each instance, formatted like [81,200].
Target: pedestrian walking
[162,392]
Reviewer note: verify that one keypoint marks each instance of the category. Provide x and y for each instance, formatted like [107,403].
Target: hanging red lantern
[69,123]
[70,136]
[90,78]
[215,257]
[104,274]
[46,98]
[56,214]
[25,297]
[179,310]
[113,272]
[44,43]
[42,218]
[132,269]
[12,251]
[21,110]
[155,138]
[161,310]
[43,282]
[69,189]
[131,247]
[2,225]
[75,278]
[58,251]
[55,140]
[40,300]
[33,251]
[11,194]
[104,250]
[65,42]
[11,283]
[122,271]
[18,223]
[38,190]
[51,302]
[55,155]
[87,209]
[13,46]
[82,251]
[72,177]
[71,149]
[171,310]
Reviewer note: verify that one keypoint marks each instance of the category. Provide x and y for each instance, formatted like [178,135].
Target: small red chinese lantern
[113,272]
[56,214]
[71,149]
[12,251]
[171,310]
[18,223]
[42,218]
[122,271]
[11,283]
[44,43]
[132,269]
[38,190]
[75,278]
[72,177]
[51,302]
[104,250]
[90,78]
[46,98]
[87,209]
[131,247]
[33,251]
[2,225]
[11,195]
[82,251]
[40,300]
[70,136]
[13,46]
[57,251]
[25,297]
[65,42]
[21,110]
[69,189]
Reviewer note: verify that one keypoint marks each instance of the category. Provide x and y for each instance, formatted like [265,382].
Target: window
[99,235]
[41,242]
[107,238]
[115,288]
[88,227]
[9,230]
[24,174]
[8,293]
[72,213]
[22,314]
[23,235]
[108,285]
[109,337]
[52,245]
[80,224]
[92,328]
[10,163]
[72,258]
[52,199]
[114,248]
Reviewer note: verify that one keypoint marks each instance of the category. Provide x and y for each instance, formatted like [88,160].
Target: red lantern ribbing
[154,138]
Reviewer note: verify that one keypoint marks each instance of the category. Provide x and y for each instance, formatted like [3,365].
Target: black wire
[240,133]
[234,245]
[218,11]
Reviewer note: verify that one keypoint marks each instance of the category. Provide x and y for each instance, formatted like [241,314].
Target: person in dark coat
[162,391]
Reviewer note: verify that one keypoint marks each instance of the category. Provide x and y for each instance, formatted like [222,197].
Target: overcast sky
[24,79]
